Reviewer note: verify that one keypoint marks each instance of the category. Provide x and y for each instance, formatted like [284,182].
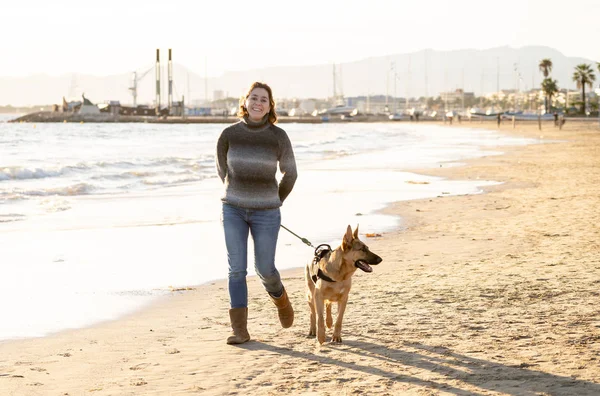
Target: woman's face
[258,104]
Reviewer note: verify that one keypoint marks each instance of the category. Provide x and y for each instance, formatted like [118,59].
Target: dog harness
[320,252]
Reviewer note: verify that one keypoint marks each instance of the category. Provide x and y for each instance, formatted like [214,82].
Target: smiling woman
[257,103]
[248,153]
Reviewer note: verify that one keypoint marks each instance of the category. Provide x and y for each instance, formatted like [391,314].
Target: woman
[247,156]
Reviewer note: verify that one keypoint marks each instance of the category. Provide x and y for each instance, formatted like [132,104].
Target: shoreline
[480,293]
[476,121]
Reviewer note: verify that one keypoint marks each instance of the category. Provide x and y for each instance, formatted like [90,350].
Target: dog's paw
[336,338]
[311,333]
[321,338]
[329,322]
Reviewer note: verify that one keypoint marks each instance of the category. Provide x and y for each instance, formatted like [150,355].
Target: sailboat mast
[334,87]
[157,66]
[407,84]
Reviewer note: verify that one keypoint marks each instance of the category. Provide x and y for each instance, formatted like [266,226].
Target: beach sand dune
[494,294]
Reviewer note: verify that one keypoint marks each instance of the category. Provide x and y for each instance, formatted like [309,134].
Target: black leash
[320,251]
[306,241]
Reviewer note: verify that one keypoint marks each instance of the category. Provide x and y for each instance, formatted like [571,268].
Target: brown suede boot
[239,321]
[284,309]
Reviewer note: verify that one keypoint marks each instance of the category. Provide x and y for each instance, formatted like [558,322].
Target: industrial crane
[135,80]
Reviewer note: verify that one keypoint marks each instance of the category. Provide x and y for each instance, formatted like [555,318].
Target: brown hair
[243,112]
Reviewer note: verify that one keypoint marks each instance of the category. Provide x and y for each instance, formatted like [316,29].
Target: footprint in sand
[138,382]
[140,366]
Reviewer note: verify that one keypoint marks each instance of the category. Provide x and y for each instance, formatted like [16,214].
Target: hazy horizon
[164,61]
[212,39]
[423,73]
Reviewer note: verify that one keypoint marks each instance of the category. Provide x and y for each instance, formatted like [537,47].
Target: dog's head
[356,252]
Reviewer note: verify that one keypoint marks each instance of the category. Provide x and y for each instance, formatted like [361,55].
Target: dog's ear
[355,235]
[347,241]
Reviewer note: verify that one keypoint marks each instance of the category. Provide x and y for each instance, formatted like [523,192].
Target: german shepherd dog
[328,280]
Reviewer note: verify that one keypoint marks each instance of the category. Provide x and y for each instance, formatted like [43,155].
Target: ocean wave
[186,163]
[154,167]
[314,143]
[11,196]
[80,166]
[52,205]
[133,174]
[117,164]
[25,173]
[72,190]
[200,165]
[135,169]
[9,220]
[20,173]
[141,174]
[163,182]
[10,217]
[75,189]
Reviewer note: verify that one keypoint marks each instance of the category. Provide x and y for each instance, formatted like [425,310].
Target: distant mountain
[422,73]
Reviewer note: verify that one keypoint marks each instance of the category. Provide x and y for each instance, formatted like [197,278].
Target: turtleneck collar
[256,125]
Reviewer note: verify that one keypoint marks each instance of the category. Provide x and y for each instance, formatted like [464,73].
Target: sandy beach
[494,294]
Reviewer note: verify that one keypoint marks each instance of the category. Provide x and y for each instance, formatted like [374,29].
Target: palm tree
[584,75]
[550,87]
[545,67]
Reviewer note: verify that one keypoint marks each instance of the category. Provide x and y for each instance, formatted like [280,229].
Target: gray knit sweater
[247,157]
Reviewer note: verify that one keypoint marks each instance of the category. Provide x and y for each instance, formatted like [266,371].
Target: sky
[211,37]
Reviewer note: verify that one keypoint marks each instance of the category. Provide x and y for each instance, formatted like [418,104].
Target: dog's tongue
[363,266]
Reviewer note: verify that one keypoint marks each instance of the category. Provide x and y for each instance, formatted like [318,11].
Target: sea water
[98,220]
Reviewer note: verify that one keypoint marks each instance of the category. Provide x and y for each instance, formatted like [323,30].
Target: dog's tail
[307,272]
[310,284]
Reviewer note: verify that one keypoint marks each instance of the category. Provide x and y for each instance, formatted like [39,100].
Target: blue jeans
[264,227]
